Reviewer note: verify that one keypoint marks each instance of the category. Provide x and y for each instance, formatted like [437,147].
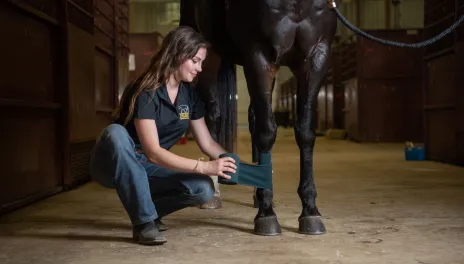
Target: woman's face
[191,67]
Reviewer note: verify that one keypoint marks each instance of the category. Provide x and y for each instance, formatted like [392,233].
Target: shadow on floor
[61,222]
[239,202]
[73,237]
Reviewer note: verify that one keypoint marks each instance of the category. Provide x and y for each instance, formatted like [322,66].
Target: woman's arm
[204,140]
[148,136]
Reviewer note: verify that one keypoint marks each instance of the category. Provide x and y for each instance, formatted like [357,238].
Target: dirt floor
[377,208]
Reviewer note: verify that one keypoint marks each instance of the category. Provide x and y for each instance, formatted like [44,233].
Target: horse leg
[208,90]
[254,150]
[309,74]
[259,74]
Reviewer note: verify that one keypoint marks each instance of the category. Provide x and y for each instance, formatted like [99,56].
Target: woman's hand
[218,167]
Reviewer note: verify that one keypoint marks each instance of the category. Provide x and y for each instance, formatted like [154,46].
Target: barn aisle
[377,207]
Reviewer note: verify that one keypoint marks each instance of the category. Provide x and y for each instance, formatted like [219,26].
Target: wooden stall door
[441,109]
[30,103]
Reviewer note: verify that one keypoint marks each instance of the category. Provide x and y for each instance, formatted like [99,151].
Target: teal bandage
[259,176]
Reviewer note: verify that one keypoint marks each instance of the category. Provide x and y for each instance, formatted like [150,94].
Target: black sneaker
[160,225]
[148,234]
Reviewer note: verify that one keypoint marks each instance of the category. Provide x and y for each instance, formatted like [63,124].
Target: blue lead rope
[333,6]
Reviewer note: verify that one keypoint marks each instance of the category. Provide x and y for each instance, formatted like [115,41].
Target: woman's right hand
[218,167]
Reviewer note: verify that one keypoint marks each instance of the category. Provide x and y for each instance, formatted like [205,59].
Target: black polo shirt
[172,119]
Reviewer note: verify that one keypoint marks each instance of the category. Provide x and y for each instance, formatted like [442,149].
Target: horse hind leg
[257,73]
[309,74]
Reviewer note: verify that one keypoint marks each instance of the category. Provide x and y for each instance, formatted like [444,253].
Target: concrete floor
[377,209]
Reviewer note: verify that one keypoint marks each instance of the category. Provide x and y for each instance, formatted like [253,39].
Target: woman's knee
[112,144]
[116,136]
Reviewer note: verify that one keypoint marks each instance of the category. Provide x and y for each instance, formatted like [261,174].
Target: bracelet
[198,162]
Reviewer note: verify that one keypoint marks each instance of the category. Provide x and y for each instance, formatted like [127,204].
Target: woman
[132,155]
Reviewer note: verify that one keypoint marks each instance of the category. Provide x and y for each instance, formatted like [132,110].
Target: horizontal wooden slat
[440,107]
[87,5]
[109,35]
[104,50]
[98,13]
[82,10]
[35,13]
[105,110]
[440,53]
[29,104]
[439,21]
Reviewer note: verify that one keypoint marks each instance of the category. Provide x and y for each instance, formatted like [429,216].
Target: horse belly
[210,16]
[252,22]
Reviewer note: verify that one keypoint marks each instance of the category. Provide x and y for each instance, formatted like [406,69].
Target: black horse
[262,35]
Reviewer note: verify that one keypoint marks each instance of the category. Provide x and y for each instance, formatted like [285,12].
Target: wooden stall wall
[331,100]
[443,93]
[286,104]
[111,56]
[81,89]
[31,99]
[348,68]
[48,96]
[383,88]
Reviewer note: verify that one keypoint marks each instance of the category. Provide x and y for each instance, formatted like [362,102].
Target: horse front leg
[254,150]
[309,74]
[208,90]
[259,74]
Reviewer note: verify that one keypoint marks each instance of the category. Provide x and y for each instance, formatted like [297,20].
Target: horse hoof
[267,226]
[215,203]
[311,225]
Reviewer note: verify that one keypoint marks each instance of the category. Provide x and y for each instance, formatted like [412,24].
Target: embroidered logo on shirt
[183,112]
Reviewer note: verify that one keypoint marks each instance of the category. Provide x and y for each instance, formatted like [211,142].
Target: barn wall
[443,103]
[48,97]
[383,98]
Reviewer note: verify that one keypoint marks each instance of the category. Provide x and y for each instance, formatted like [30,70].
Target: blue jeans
[146,190]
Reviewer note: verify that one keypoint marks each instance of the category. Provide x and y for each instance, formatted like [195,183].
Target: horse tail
[187,14]
[227,91]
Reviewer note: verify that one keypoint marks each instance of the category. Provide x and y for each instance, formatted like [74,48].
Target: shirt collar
[163,93]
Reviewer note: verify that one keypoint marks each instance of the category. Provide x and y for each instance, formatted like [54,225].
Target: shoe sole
[150,242]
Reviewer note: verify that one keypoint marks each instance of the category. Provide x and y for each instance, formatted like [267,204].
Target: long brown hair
[179,45]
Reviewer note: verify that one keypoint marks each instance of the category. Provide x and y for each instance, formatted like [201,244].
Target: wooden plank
[29,157]
[28,71]
[29,104]
[441,110]
[34,12]
[64,124]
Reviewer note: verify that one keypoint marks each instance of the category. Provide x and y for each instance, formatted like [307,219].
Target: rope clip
[331,4]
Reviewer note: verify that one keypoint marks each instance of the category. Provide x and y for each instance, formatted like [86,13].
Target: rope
[333,6]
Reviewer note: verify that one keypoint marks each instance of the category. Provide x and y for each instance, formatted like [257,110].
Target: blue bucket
[414,153]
